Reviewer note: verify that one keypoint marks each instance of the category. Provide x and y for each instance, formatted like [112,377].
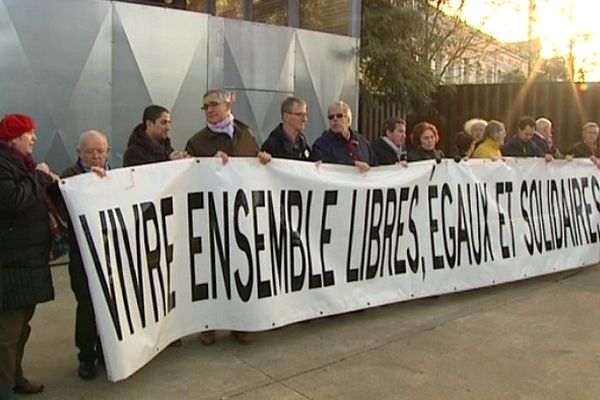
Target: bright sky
[507,20]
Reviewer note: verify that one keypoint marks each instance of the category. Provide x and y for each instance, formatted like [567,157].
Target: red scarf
[26,158]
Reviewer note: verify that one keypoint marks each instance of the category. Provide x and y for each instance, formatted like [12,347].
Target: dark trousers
[86,335]
[14,332]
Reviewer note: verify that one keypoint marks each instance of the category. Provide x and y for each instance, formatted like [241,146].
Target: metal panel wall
[75,65]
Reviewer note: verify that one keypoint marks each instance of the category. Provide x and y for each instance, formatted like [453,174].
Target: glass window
[198,5]
[230,9]
[270,11]
[325,15]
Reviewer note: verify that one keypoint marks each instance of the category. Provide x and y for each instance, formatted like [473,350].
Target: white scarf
[225,126]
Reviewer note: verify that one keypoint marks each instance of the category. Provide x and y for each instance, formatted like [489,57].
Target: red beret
[14,125]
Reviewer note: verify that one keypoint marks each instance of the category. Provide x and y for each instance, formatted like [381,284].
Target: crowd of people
[27,187]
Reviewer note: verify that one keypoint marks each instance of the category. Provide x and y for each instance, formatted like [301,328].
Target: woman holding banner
[25,240]
[425,137]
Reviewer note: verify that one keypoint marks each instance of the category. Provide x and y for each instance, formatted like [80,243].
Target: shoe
[87,370]
[243,337]
[25,386]
[208,338]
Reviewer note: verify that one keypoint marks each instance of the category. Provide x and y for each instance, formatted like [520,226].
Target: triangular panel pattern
[163,43]
[74,26]
[260,66]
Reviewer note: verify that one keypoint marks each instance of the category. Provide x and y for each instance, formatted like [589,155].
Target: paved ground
[537,339]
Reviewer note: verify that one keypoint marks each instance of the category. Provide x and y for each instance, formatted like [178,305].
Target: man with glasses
[342,145]
[287,139]
[93,151]
[224,137]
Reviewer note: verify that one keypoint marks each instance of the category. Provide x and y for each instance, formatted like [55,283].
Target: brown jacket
[206,142]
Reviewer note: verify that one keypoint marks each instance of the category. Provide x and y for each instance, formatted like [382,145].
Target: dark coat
[280,145]
[514,147]
[25,237]
[206,142]
[333,148]
[141,149]
[580,149]
[420,154]
[386,155]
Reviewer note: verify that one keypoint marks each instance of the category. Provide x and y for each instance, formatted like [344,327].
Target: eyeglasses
[298,114]
[338,116]
[206,106]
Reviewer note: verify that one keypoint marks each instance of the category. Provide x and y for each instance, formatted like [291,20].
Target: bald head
[93,149]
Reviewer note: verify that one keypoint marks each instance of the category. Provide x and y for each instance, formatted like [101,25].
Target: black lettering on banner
[264,286]
[295,201]
[438,261]
[388,232]
[278,243]
[244,290]
[463,233]
[153,254]
[449,234]
[579,204]
[556,215]
[330,199]
[400,262]
[166,209]
[596,196]
[365,234]
[195,201]
[543,212]
[314,281]
[221,242]
[351,273]
[588,210]
[119,260]
[529,241]
[135,268]
[487,240]
[504,189]
[108,287]
[413,261]
[373,233]
[568,213]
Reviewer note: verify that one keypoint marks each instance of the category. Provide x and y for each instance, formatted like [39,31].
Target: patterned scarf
[26,158]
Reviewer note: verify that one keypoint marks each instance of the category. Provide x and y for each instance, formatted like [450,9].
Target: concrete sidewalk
[537,339]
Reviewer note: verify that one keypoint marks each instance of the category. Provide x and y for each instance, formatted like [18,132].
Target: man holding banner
[287,140]
[223,136]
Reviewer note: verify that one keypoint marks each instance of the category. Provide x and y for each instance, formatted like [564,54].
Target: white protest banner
[180,247]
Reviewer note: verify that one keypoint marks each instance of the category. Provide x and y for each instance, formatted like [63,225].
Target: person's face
[159,129]
[296,117]
[216,110]
[500,137]
[547,133]
[526,134]
[338,121]
[428,140]
[398,135]
[94,151]
[24,143]
[590,135]
[477,132]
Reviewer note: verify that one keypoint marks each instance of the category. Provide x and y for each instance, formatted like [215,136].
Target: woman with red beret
[25,240]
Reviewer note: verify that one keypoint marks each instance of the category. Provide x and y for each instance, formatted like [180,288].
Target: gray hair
[492,128]
[590,125]
[340,105]
[222,95]
[541,123]
[92,132]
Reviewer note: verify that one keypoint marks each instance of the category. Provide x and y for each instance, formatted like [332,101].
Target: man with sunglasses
[287,140]
[342,145]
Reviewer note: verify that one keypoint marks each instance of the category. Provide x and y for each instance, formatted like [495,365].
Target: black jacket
[420,154]
[279,145]
[143,150]
[514,147]
[333,148]
[25,236]
[580,149]
[386,155]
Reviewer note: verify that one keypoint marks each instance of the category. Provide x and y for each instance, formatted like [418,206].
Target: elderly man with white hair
[93,152]
[543,137]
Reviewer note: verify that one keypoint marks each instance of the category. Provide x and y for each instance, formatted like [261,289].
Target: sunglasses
[338,116]
[206,106]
